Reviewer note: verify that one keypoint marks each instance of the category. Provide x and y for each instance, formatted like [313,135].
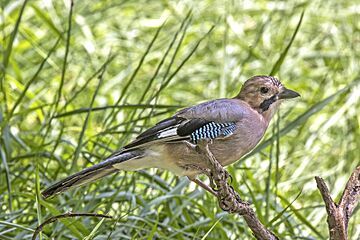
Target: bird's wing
[219,110]
[209,120]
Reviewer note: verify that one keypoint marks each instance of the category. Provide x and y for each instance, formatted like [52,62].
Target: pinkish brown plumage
[234,126]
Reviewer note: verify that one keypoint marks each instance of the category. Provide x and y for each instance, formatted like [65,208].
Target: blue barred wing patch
[212,130]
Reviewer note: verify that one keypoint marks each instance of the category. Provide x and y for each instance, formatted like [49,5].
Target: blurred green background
[80,82]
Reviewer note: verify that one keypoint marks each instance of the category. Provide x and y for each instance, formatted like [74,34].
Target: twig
[65,215]
[339,214]
[229,200]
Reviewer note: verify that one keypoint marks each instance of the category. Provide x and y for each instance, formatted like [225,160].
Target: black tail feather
[91,174]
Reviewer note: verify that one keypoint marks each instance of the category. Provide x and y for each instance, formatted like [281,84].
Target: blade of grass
[302,218]
[57,96]
[256,203]
[168,80]
[82,88]
[268,180]
[212,227]
[67,49]
[112,130]
[113,114]
[93,232]
[252,46]
[281,59]
[153,230]
[38,196]
[86,122]
[34,77]
[187,57]
[184,23]
[183,27]
[30,38]
[46,19]
[156,95]
[7,175]
[5,138]
[127,106]
[199,223]
[277,157]
[9,47]
[225,61]
[280,214]
[10,224]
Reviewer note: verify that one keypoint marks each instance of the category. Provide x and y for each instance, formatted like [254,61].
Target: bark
[339,213]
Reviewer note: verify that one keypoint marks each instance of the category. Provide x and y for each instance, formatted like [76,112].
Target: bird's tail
[92,173]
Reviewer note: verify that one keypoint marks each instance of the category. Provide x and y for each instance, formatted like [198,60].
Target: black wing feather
[162,125]
[178,129]
[188,127]
[151,134]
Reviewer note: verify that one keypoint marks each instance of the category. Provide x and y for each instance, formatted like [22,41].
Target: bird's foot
[227,175]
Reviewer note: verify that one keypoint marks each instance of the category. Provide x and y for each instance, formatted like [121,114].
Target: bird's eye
[264,90]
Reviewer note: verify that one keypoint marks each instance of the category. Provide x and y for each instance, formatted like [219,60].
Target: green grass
[77,83]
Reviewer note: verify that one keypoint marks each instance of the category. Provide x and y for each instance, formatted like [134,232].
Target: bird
[233,127]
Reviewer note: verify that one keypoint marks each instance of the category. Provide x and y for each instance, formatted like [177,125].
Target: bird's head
[264,94]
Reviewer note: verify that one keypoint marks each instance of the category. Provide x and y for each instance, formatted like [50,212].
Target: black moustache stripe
[267,102]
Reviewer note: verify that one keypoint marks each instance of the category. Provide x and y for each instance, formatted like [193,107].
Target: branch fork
[339,213]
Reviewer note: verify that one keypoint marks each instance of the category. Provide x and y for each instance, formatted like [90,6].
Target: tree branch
[339,214]
[65,215]
[228,199]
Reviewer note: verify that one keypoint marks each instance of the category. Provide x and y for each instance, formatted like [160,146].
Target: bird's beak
[287,93]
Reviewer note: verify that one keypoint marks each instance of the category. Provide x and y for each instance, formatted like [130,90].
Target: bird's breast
[247,135]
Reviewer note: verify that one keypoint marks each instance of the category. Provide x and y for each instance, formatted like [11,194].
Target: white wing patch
[168,133]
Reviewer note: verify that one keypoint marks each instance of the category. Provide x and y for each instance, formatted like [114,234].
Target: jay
[233,126]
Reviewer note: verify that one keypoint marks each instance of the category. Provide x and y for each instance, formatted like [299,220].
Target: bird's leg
[190,145]
[212,188]
[205,171]
[203,185]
